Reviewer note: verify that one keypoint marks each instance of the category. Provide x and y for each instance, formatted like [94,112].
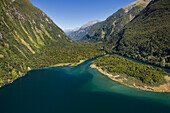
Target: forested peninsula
[133,74]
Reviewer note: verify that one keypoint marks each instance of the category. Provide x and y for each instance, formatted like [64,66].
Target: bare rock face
[1,56]
[89,24]
[139,2]
[147,0]
[1,36]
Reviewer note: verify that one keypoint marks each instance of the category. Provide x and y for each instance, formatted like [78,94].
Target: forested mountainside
[147,37]
[82,31]
[29,40]
[102,31]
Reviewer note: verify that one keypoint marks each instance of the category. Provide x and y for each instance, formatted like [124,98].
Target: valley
[99,67]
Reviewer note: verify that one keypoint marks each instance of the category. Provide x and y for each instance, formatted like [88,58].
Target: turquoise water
[77,89]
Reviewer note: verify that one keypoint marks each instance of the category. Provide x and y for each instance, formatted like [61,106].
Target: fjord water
[77,89]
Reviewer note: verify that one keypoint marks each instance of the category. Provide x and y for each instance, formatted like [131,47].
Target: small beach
[67,64]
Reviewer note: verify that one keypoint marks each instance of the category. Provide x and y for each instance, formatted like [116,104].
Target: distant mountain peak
[68,31]
[82,31]
[137,3]
[90,23]
[75,29]
[102,31]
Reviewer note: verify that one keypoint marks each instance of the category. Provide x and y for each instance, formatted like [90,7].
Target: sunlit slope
[147,37]
[103,31]
[29,39]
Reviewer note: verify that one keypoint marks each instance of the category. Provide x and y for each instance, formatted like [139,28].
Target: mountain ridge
[82,31]
[68,31]
[146,38]
[102,31]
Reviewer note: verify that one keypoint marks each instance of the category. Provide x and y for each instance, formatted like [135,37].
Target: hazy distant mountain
[68,31]
[82,31]
[89,24]
[113,24]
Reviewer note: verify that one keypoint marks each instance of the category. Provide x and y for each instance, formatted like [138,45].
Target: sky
[69,14]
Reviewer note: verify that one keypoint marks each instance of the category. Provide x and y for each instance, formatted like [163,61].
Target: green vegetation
[118,65]
[103,31]
[30,40]
[69,53]
[147,38]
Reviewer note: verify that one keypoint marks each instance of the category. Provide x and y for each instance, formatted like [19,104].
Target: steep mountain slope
[102,31]
[147,37]
[29,39]
[83,30]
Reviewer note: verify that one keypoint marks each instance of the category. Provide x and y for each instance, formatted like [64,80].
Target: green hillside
[29,40]
[147,37]
[102,31]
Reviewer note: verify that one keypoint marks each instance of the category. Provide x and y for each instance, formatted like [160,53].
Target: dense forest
[14,66]
[147,37]
[124,67]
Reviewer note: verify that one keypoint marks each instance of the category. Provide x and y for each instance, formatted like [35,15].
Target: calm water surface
[77,89]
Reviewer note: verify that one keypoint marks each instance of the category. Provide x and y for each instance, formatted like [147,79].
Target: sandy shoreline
[68,64]
[161,88]
[56,65]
